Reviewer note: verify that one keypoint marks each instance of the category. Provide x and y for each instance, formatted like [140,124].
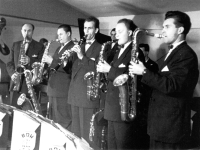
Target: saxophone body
[127,84]
[38,68]
[93,79]
[17,83]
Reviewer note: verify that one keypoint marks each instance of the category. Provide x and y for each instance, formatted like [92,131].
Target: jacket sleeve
[182,76]
[10,65]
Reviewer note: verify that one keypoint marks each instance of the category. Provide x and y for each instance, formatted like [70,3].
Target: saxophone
[92,129]
[33,101]
[16,84]
[93,79]
[127,84]
[38,68]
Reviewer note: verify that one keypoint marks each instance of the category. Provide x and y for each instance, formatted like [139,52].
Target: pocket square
[92,59]
[34,55]
[165,69]
[122,66]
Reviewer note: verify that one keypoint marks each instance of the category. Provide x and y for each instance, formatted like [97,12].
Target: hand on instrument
[77,49]
[103,67]
[47,59]
[21,99]
[136,68]
[14,76]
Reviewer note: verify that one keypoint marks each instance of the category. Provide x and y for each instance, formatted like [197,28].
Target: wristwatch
[145,71]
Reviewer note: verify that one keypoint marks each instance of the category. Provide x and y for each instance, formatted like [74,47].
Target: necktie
[170,50]
[121,50]
[120,46]
[89,43]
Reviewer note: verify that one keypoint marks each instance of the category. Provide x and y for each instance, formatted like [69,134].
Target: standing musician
[33,51]
[173,86]
[82,108]
[58,85]
[112,48]
[121,135]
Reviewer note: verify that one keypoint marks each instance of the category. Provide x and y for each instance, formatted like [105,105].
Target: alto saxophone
[16,84]
[33,101]
[38,68]
[127,84]
[93,79]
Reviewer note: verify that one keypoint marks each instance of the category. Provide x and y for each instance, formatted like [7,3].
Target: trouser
[60,111]
[121,135]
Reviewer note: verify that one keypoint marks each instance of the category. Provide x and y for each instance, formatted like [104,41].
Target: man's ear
[68,33]
[96,30]
[130,33]
[180,30]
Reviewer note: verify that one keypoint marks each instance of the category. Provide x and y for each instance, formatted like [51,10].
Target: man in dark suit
[112,47]
[173,84]
[150,64]
[82,107]
[58,85]
[33,53]
[120,134]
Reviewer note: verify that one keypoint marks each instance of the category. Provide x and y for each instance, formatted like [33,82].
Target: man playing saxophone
[121,135]
[33,52]
[58,85]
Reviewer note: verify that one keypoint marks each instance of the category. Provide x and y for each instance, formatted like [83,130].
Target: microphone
[154,35]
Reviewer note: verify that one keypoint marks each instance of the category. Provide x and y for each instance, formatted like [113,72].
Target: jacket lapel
[164,62]
[116,60]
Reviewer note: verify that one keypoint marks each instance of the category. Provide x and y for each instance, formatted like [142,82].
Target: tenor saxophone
[127,83]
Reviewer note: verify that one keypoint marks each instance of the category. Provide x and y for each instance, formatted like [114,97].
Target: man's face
[170,31]
[113,35]
[90,30]
[63,36]
[27,31]
[122,34]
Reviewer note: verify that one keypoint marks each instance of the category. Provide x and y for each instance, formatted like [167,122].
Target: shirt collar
[177,44]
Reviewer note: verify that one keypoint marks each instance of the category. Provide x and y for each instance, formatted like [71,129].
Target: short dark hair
[94,19]
[43,40]
[128,23]
[181,20]
[146,47]
[66,28]
[33,27]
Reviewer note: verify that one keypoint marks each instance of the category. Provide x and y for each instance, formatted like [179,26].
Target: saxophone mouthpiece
[155,35]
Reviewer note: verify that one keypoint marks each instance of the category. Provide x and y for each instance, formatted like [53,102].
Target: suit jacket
[58,84]
[34,52]
[77,94]
[169,112]
[110,52]
[112,106]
